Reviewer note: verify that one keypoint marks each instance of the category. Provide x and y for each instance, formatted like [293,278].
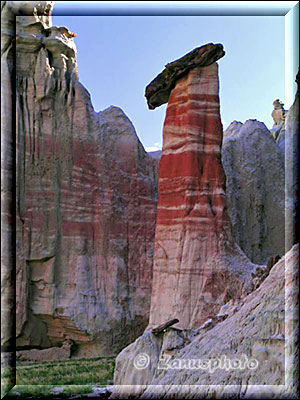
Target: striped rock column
[197,266]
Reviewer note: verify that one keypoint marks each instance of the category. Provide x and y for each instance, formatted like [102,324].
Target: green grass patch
[7,379]
[70,372]
[37,380]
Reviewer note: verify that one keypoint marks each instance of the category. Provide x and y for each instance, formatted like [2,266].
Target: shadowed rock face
[86,202]
[158,91]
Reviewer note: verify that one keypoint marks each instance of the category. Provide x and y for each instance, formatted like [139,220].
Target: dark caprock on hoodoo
[158,91]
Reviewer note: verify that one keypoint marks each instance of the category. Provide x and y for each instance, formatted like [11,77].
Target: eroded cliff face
[86,202]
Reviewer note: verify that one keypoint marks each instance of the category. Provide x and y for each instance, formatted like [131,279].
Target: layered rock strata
[86,201]
[247,349]
[197,265]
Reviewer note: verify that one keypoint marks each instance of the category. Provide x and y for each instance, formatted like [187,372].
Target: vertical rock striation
[85,202]
[197,266]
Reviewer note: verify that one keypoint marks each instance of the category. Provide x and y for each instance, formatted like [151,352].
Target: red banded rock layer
[197,266]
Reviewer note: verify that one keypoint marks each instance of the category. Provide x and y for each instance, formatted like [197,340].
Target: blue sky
[118,56]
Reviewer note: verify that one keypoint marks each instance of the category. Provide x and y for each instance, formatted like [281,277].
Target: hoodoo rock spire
[197,265]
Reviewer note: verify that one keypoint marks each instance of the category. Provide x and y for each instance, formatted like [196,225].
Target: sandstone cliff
[86,198]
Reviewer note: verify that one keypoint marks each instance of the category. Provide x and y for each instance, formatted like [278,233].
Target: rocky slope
[86,199]
[259,333]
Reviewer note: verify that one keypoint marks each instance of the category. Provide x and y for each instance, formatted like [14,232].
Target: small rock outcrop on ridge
[197,266]
[278,115]
[278,128]
[86,198]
